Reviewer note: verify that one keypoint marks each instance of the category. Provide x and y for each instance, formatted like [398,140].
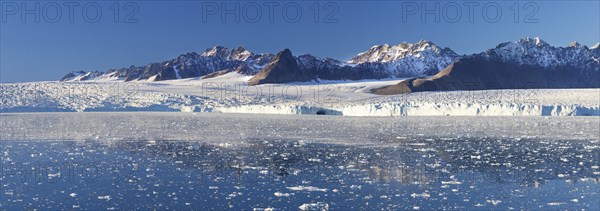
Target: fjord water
[406,173]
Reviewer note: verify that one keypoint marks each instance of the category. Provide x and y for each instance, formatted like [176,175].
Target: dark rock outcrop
[167,73]
[283,68]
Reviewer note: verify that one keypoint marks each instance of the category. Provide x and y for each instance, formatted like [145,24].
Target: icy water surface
[289,174]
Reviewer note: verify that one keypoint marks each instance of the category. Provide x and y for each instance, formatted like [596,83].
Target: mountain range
[428,67]
[385,61]
[525,64]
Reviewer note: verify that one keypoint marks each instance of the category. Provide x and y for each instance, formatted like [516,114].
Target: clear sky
[71,37]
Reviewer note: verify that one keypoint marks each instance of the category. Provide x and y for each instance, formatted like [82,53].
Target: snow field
[229,94]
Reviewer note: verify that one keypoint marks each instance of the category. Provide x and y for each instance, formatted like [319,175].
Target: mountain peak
[282,68]
[284,55]
[215,51]
[574,44]
[239,53]
[533,41]
[425,42]
[285,52]
[596,46]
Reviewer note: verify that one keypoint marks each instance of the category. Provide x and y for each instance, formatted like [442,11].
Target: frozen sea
[161,161]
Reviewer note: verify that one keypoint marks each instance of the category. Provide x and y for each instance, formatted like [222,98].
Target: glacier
[229,94]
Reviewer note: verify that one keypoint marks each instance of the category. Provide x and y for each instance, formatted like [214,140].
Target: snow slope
[230,94]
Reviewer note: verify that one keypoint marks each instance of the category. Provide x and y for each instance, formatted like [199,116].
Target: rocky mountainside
[404,60]
[287,68]
[283,68]
[525,64]
[523,61]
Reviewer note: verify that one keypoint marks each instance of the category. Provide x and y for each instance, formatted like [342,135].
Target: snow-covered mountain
[382,61]
[408,59]
[403,60]
[524,64]
[536,52]
[187,65]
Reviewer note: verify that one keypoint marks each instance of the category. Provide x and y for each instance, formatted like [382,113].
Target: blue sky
[161,30]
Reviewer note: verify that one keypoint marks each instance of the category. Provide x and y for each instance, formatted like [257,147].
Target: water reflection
[405,174]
